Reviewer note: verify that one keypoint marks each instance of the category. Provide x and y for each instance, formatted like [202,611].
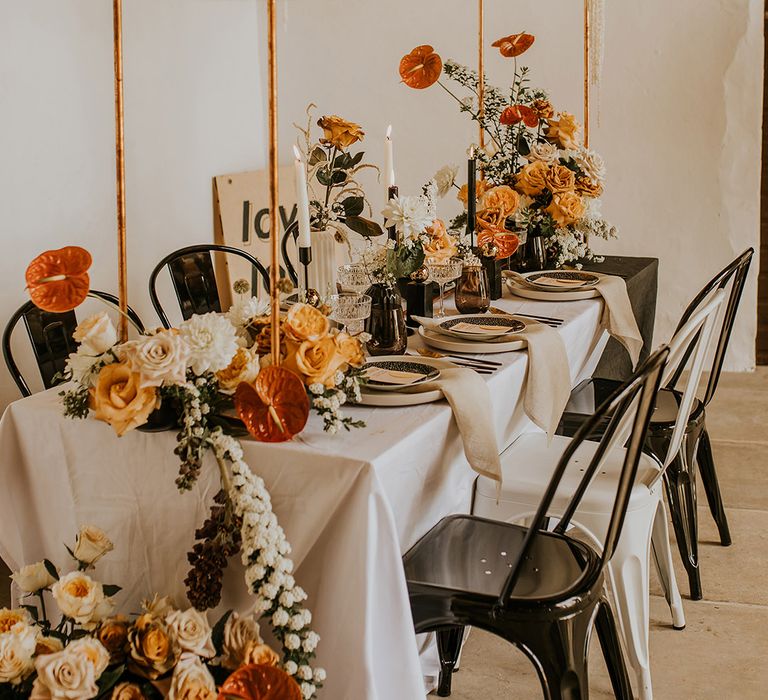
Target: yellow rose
[560,179]
[563,131]
[127,691]
[9,618]
[339,132]
[532,178]
[113,634]
[153,650]
[480,189]
[243,368]
[588,188]
[91,544]
[351,349]
[441,246]
[32,578]
[315,362]
[118,400]
[305,322]
[256,653]
[565,208]
[81,598]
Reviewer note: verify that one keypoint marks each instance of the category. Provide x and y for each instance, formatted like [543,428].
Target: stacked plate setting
[554,285]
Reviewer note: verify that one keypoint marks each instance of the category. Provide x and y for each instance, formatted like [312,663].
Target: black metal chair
[291,232]
[51,338]
[194,279]
[539,589]
[679,479]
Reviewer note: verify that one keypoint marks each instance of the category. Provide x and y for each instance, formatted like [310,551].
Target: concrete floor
[722,652]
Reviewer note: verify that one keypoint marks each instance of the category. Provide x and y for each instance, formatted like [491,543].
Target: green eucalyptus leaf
[365,227]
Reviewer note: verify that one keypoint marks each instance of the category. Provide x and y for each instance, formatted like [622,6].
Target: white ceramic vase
[324,265]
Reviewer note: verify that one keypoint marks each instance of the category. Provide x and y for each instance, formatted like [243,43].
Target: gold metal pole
[122,261]
[481,71]
[274,228]
[586,73]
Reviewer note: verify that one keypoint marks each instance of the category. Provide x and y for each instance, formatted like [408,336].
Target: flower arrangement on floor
[539,179]
[337,201]
[203,373]
[88,651]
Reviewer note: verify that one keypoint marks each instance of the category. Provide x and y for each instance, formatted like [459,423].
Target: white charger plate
[548,295]
[398,398]
[474,347]
[476,319]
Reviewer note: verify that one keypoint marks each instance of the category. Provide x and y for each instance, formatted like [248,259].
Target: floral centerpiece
[538,178]
[207,373]
[88,651]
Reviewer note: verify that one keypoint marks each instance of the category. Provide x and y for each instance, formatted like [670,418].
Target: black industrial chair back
[291,232]
[553,590]
[51,337]
[734,275]
[194,279]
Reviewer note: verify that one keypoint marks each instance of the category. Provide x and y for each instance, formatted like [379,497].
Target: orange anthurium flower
[514,44]
[421,68]
[275,407]
[57,280]
[519,113]
[506,241]
[260,682]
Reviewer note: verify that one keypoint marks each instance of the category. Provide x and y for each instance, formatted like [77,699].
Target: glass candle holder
[472,294]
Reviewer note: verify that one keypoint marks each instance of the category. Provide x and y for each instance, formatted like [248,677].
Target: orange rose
[118,400]
[560,179]
[532,178]
[305,322]
[543,109]
[243,368]
[339,132]
[441,244]
[565,208]
[256,653]
[316,362]
[480,189]
[588,188]
[350,349]
[502,199]
[563,131]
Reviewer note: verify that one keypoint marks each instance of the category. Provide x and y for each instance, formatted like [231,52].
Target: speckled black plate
[506,324]
[427,372]
[589,279]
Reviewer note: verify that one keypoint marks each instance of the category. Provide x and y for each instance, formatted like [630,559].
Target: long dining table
[351,504]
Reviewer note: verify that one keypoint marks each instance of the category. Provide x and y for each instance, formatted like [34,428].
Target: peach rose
[496,205]
[256,653]
[33,577]
[532,178]
[127,691]
[441,244]
[153,650]
[9,618]
[118,399]
[563,131]
[48,645]
[191,680]
[339,132]
[239,633]
[565,208]
[560,179]
[351,349]
[588,188]
[543,108]
[113,634]
[243,368]
[96,334]
[192,632]
[315,362]
[91,544]
[81,598]
[305,322]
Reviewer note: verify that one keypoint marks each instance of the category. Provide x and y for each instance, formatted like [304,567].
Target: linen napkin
[470,401]
[548,381]
[618,316]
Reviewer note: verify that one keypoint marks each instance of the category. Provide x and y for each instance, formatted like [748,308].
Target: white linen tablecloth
[350,504]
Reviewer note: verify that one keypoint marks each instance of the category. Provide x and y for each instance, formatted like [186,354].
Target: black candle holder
[392,192]
[418,300]
[492,267]
[305,258]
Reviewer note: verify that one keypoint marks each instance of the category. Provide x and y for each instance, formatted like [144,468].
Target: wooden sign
[241,219]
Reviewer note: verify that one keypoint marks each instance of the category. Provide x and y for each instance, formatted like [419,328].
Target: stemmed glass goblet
[442,272]
[354,277]
[350,310]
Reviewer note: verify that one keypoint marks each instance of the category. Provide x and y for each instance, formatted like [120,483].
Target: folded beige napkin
[618,316]
[470,400]
[548,382]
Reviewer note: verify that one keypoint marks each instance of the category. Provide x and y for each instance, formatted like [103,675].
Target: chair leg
[711,486]
[662,555]
[449,641]
[607,633]
[681,493]
[558,649]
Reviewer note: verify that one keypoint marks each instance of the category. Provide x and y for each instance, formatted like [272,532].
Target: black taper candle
[471,198]
[391,194]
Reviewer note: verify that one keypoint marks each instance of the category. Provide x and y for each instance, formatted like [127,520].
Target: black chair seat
[471,555]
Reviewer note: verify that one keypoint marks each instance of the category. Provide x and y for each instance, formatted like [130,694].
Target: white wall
[680,124]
